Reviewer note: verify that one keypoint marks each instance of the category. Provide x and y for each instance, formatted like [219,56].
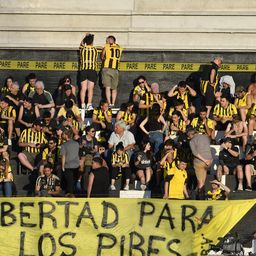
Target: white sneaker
[126,187]
[240,187]
[143,187]
[111,106]
[83,106]
[112,187]
[9,142]
[89,107]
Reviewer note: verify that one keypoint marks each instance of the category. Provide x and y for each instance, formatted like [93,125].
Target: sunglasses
[51,142]
[69,116]
[92,131]
[141,82]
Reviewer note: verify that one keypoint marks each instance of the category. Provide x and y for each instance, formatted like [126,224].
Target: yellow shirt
[176,184]
[199,126]
[113,56]
[63,111]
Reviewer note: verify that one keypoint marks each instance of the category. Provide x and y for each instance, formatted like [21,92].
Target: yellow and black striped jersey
[253,110]
[241,102]
[88,57]
[230,111]
[149,99]
[4,90]
[185,112]
[28,89]
[199,125]
[8,112]
[127,116]
[119,159]
[205,80]
[113,56]
[31,136]
[139,90]
[100,115]
[184,97]
[181,126]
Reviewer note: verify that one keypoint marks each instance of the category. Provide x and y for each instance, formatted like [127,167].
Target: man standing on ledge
[111,55]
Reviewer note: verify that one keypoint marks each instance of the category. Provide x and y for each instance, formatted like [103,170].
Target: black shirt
[225,158]
[100,183]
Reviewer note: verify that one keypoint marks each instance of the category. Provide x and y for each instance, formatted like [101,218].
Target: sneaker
[248,188]
[112,187]
[126,187]
[111,106]
[9,142]
[89,107]
[143,187]
[240,187]
[83,106]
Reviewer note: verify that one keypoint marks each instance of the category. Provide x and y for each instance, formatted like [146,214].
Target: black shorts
[209,96]
[88,74]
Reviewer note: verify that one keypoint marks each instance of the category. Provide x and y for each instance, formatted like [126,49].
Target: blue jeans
[6,188]
[157,139]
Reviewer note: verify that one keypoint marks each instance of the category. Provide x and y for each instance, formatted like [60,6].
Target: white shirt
[127,139]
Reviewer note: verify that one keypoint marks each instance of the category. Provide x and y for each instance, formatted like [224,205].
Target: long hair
[154,113]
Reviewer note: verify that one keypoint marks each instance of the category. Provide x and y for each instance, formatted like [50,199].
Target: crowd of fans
[162,139]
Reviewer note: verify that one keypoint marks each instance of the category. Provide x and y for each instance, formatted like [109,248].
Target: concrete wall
[137,24]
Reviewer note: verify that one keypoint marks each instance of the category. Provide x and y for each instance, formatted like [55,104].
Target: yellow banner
[124,66]
[55,226]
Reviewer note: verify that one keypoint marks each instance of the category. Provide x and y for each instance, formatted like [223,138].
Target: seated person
[229,162]
[102,117]
[180,107]
[50,155]
[48,184]
[224,113]
[65,95]
[128,115]
[7,118]
[227,87]
[182,91]
[42,98]
[72,123]
[240,102]
[69,105]
[140,89]
[204,125]
[250,167]
[143,163]
[31,140]
[50,125]
[120,166]
[252,124]
[175,182]
[3,143]
[218,191]
[238,131]
[6,177]
[148,99]
[177,125]
[27,114]
[29,86]
[7,85]
[15,96]
[120,134]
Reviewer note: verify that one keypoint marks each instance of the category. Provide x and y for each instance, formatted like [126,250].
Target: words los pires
[107,240]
